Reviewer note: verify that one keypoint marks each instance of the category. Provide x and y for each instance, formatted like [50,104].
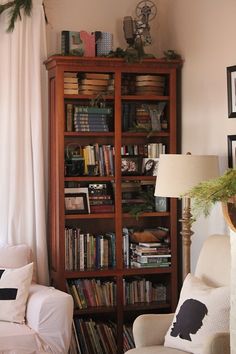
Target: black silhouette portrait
[189,319]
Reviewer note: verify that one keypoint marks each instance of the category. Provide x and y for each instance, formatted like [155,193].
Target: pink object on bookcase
[88,40]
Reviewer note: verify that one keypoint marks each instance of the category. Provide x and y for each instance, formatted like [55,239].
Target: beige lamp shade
[178,173]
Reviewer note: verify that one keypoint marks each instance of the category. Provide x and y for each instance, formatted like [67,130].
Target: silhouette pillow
[201,311]
[14,291]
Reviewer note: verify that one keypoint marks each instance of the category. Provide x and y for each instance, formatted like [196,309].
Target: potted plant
[221,189]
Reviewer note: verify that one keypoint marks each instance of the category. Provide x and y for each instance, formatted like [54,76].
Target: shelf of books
[113,245]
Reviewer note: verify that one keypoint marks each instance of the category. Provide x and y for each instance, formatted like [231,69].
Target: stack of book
[71,86]
[137,197]
[131,192]
[128,84]
[143,118]
[150,85]
[101,198]
[101,203]
[96,83]
[92,118]
[152,254]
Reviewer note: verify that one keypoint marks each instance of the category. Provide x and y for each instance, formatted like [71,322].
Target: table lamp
[177,174]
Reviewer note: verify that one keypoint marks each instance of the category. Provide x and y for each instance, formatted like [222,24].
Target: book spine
[81,256]
[65,46]
[91,119]
[98,110]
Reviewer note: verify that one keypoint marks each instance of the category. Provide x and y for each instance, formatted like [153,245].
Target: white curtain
[23,147]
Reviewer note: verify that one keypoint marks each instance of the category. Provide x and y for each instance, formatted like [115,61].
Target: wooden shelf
[97,224]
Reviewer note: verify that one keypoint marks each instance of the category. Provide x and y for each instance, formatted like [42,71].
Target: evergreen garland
[14,8]
[208,193]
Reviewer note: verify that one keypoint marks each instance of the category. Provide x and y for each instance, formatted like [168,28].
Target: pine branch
[206,194]
[14,7]
[6,6]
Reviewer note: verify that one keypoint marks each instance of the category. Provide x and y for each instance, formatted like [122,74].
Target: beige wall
[91,15]
[203,32]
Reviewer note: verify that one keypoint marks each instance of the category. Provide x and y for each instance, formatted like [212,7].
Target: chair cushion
[156,349]
[202,310]
[14,291]
[18,338]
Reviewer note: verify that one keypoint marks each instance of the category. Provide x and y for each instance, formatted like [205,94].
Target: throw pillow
[201,311]
[15,256]
[14,291]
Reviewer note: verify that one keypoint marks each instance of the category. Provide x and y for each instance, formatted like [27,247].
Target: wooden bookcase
[100,223]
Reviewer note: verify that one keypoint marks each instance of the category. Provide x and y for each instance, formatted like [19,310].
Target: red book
[102,208]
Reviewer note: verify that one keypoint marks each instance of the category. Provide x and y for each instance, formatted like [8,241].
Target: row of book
[96,292]
[94,160]
[150,150]
[93,337]
[101,156]
[98,160]
[144,117]
[128,338]
[88,83]
[143,290]
[92,292]
[86,118]
[87,251]
[135,117]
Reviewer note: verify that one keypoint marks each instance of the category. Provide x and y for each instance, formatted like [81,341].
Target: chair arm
[217,343]
[151,329]
[49,313]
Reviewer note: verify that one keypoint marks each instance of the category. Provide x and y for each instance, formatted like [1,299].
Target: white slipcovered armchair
[213,268]
[49,314]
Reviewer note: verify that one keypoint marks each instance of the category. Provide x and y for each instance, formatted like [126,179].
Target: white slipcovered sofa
[213,268]
[49,314]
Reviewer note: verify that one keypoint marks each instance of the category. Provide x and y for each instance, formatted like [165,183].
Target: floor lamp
[176,175]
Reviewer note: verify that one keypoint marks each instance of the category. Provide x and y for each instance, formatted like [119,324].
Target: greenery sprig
[15,8]
[148,205]
[206,194]
[130,55]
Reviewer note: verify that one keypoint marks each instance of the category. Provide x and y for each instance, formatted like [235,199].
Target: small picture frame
[161,204]
[231,91]
[150,166]
[76,203]
[232,151]
[83,205]
[130,165]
